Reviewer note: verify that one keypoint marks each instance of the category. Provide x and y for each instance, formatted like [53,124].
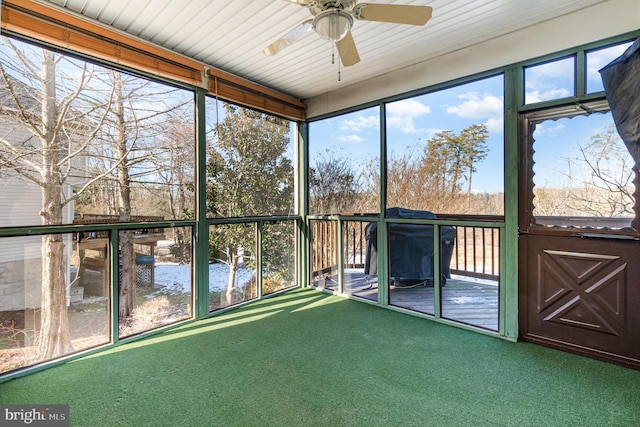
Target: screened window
[278,256]
[445,150]
[232,264]
[63,275]
[596,59]
[250,162]
[549,81]
[344,163]
[583,173]
[90,142]
[154,278]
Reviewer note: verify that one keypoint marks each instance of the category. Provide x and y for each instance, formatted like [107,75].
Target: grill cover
[410,247]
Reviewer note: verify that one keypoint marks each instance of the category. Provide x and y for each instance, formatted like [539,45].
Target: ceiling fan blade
[348,51]
[394,13]
[300,2]
[291,37]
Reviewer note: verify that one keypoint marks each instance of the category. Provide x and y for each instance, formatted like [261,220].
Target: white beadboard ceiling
[231,34]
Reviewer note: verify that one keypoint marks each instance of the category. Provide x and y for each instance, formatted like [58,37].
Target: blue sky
[411,122]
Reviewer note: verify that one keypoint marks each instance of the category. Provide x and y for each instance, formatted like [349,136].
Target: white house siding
[21,257]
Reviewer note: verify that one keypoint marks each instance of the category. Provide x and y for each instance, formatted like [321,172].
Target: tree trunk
[127,290]
[233,267]
[469,189]
[54,339]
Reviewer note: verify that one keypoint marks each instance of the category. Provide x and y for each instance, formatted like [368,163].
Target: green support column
[581,73]
[514,91]
[302,202]
[437,275]
[382,246]
[114,258]
[259,254]
[201,231]
[340,257]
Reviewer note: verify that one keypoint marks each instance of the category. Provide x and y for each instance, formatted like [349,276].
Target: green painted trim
[201,231]
[514,91]
[246,219]
[114,284]
[259,230]
[599,44]
[383,266]
[437,285]
[560,102]
[383,159]
[580,74]
[340,239]
[423,221]
[382,234]
[304,235]
[462,223]
[38,230]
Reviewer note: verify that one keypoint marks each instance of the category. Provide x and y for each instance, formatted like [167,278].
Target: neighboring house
[21,257]
[20,204]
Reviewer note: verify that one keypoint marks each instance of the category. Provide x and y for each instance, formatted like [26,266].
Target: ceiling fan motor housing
[318,6]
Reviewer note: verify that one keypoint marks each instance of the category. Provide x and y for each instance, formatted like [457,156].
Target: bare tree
[134,155]
[334,185]
[606,185]
[54,116]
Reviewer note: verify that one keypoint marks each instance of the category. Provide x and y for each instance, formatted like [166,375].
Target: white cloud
[400,114]
[553,80]
[562,68]
[476,107]
[352,138]
[538,96]
[548,129]
[599,58]
[360,123]
[495,125]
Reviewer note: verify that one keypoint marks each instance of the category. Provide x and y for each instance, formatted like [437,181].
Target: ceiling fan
[333,20]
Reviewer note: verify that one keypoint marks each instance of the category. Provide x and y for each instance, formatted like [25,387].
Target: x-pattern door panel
[581,295]
[582,290]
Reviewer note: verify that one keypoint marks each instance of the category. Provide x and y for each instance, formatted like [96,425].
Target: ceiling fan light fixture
[333,24]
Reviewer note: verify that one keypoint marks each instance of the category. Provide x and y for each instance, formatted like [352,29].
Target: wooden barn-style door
[579,253]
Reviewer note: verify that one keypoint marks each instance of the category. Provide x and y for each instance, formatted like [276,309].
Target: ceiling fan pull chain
[333,54]
[333,58]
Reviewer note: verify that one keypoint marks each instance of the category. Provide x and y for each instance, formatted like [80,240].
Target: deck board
[465,300]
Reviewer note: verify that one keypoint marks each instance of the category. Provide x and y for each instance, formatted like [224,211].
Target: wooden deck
[465,300]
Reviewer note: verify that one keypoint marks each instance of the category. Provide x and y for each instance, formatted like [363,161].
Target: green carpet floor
[305,358]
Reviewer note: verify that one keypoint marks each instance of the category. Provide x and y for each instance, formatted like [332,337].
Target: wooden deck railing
[87,219]
[476,250]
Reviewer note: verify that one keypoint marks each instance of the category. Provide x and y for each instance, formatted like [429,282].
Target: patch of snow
[178,277]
